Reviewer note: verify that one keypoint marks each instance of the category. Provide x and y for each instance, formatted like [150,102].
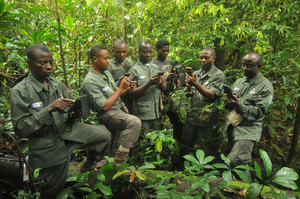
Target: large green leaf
[244,167]
[101,177]
[69,22]
[38,9]
[253,191]
[65,193]
[140,175]
[227,176]
[257,170]
[147,166]
[191,159]
[267,162]
[208,159]
[200,155]
[285,182]
[158,145]
[226,159]
[244,176]
[120,173]
[103,188]
[288,173]
[220,166]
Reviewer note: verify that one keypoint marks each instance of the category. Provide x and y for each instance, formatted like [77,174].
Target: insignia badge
[142,77]
[221,86]
[270,99]
[37,104]
[253,91]
[105,89]
[236,89]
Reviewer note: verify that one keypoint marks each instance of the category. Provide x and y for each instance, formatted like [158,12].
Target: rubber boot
[121,156]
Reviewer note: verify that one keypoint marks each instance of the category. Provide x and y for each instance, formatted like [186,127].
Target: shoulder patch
[221,86]
[270,99]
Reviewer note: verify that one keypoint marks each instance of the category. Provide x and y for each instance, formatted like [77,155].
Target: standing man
[165,64]
[104,96]
[147,104]
[39,110]
[119,65]
[252,96]
[206,89]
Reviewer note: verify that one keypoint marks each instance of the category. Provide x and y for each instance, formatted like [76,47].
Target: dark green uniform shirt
[45,132]
[146,106]
[117,70]
[213,80]
[99,88]
[255,94]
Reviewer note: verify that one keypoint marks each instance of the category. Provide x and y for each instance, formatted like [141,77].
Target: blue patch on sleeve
[221,86]
[270,99]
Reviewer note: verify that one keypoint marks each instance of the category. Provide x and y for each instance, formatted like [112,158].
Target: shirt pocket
[143,108]
[250,99]
[142,79]
[41,141]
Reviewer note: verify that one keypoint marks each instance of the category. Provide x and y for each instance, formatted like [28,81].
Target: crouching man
[39,110]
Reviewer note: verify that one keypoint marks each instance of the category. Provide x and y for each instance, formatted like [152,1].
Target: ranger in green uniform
[104,96]
[39,112]
[252,96]
[206,88]
[147,104]
[119,65]
[165,64]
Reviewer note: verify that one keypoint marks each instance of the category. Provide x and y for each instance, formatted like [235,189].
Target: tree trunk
[220,54]
[294,153]
[60,44]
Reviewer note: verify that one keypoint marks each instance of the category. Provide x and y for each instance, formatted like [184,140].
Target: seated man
[252,96]
[147,103]
[104,96]
[119,65]
[39,112]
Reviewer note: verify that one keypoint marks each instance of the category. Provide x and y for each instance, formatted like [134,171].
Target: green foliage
[284,177]
[82,185]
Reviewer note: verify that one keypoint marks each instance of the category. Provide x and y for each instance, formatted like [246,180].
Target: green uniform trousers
[53,179]
[151,124]
[117,120]
[208,139]
[241,152]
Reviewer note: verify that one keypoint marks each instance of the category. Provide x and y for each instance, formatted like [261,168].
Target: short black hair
[144,41]
[213,52]
[95,50]
[33,48]
[162,42]
[257,56]
[118,42]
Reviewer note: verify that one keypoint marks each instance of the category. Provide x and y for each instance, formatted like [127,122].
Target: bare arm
[112,99]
